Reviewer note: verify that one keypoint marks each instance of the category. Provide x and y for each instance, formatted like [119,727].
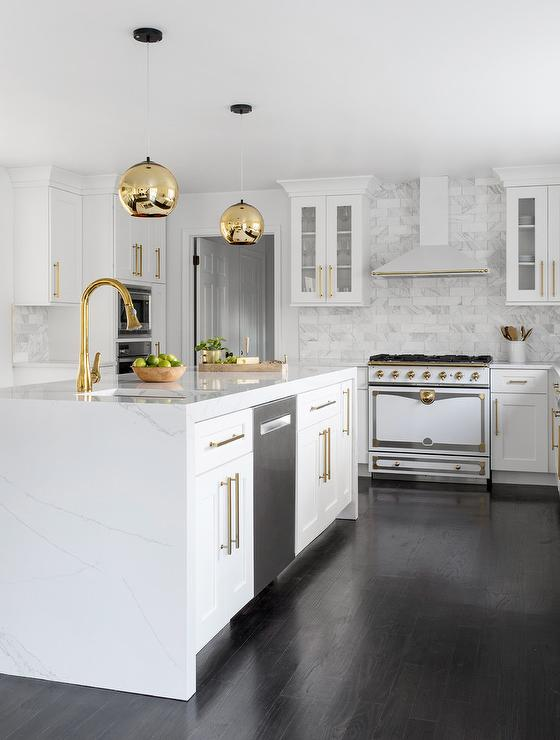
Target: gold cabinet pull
[227,547]
[135,259]
[496,429]
[554,278]
[56,293]
[141,260]
[322,406]
[330,281]
[158,263]
[328,453]
[517,382]
[223,442]
[320,280]
[558,459]
[323,434]
[554,413]
[237,535]
[158,348]
[542,278]
[346,427]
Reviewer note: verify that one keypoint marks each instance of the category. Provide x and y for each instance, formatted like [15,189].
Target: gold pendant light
[148,189]
[241,223]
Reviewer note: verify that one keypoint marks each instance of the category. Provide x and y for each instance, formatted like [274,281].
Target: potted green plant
[212,349]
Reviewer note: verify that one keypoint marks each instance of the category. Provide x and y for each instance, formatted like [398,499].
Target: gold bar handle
[552,417]
[320,280]
[135,259]
[141,260]
[158,348]
[223,442]
[554,278]
[229,540]
[322,406]
[558,459]
[328,453]
[158,263]
[323,434]
[346,427]
[542,278]
[517,382]
[56,293]
[237,536]
[330,281]
[497,431]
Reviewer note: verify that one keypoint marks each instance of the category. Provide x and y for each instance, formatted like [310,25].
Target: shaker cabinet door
[65,217]
[520,432]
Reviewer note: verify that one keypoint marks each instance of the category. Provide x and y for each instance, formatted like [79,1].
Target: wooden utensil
[513,333]
[504,332]
[527,335]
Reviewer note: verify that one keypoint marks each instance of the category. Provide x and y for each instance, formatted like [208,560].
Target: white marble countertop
[533,365]
[206,388]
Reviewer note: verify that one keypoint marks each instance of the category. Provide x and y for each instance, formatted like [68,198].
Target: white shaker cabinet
[159,334]
[224,545]
[47,244]
[140,247]
[520,420]
[329,239]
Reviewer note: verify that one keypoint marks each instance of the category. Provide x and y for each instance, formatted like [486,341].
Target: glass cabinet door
[308,250]
[526,259]
[344,259]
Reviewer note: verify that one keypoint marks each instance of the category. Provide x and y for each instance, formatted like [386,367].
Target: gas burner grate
[432,359]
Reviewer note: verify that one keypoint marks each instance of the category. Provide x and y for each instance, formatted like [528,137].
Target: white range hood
[434,256]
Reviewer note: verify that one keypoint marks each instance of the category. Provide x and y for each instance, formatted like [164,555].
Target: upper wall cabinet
[47,238]
[329,239]
[140,247]
[532,234]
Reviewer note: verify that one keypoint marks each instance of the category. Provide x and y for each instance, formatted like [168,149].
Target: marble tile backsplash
[432,315]
[30,334]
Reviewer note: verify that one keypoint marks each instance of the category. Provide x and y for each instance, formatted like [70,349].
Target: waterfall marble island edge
[98,520]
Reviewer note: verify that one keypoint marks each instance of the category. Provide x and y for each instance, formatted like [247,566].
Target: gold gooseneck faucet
[86,377]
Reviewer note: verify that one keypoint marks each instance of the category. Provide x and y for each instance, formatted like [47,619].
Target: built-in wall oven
[142,301]
[429,416]
[127,352]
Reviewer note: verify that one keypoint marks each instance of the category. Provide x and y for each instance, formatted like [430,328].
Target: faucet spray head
[131,318]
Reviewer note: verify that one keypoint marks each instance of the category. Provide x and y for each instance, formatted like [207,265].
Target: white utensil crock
[517,352]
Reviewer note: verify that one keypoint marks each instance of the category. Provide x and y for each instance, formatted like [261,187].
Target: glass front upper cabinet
[526,255]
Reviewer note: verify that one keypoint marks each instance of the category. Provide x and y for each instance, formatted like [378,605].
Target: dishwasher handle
[274,424]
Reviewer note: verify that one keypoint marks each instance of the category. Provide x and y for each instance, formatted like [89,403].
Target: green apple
[164,363]
[176,363]
[172,358]
[139,362]
[152,361]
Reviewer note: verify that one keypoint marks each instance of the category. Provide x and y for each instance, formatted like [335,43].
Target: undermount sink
[147,392]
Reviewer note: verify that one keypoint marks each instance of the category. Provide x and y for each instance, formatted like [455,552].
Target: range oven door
[449,421]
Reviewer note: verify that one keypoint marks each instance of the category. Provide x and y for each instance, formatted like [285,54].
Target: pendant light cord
[148,101]
[242,153]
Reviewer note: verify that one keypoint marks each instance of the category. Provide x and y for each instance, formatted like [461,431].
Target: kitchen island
[114,571]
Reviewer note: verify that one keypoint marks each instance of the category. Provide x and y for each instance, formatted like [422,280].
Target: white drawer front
[519,381]
[223,438]
[318,405]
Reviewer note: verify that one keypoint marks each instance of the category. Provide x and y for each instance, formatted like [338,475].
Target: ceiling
[394,89]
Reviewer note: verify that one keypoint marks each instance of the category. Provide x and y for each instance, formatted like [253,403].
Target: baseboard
[523,479]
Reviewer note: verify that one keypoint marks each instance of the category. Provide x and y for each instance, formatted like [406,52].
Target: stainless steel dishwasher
[274,486]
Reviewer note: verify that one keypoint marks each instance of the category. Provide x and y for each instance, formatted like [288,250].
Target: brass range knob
[426,374]
[475,376]
[395,374]
[396,464]
[443,375]
[459,375]
[380,374]
[410,374]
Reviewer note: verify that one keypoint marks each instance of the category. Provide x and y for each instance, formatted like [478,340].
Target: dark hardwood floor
[433,616]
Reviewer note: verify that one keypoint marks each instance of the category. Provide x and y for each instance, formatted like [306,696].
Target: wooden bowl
[159,374]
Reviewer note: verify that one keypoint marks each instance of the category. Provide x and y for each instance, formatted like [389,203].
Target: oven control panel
[434,375]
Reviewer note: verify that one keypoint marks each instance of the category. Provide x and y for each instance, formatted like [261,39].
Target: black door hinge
[196,260]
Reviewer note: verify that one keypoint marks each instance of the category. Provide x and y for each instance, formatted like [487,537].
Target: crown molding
[358,185]
[56,177]
[542,174]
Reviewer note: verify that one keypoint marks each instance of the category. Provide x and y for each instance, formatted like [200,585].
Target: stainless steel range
[429,417]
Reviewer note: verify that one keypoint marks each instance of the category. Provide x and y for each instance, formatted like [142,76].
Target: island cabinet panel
[345,433]
[224,545]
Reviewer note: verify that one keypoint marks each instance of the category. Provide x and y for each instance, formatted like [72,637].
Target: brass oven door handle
[346,427]
[223,442]
[56,293]
[330,281]
[229,540]
[542,278]
[323,434]
[322,406]
[158,263]
[237,535]
[328,453]
[320,280]
[496,428]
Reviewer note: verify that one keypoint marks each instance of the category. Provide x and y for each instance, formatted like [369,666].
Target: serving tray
[261,367]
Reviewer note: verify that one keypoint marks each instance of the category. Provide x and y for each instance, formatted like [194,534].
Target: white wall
[199,212]
[6,277]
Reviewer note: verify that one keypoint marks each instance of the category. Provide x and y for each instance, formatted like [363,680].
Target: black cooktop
[433,359]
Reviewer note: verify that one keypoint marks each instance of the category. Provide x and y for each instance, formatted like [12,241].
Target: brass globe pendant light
[241,223]
[148,189]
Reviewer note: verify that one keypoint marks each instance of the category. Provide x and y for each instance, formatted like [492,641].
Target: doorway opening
[234,294]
